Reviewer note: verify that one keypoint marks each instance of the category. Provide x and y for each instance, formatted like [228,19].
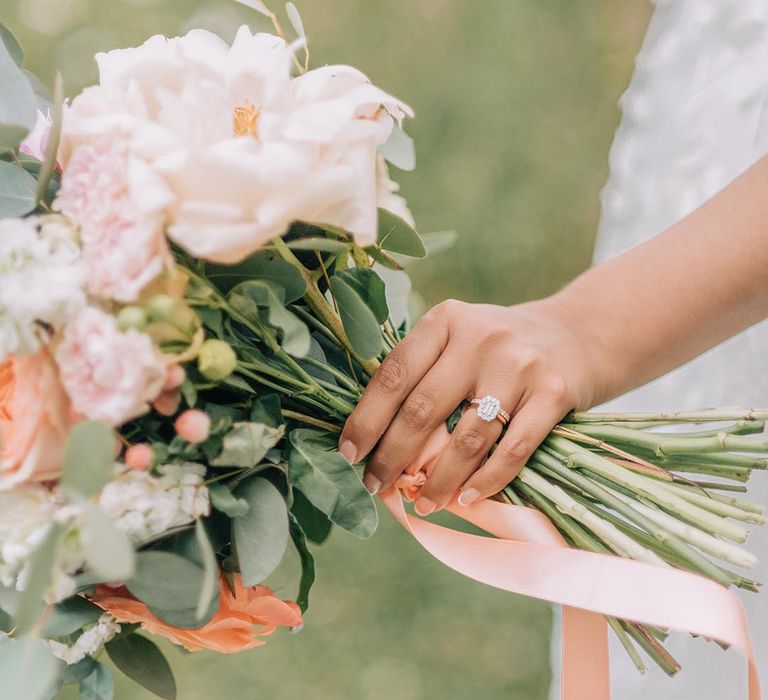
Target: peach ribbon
[528,556]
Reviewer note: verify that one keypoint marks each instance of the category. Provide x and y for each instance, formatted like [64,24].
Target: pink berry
[174,377]
[193,425]
[139,456]
[167,403]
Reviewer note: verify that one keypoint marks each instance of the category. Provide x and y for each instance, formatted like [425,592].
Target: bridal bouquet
[201,267]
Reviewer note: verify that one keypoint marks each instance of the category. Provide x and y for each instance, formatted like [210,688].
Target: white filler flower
[41,282]
[143,505]
[89,642]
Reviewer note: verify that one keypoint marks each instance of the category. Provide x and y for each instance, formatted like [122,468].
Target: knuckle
[391,376]
[469,443]
[446,309]
[383,467]
[556,390]
[526,358]
[417,411]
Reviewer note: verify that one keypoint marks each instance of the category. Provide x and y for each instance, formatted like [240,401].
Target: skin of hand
[615,327]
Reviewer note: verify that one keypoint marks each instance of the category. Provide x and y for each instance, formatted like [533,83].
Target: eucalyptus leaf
[99,685]
[295,19]
[261,536]
[28,604]
[225,501]
[43,98]
[166,581]
[11,45]
[266,266]
[107,549]
[75,673]
[307,564]
[329,482]
[399,150]
[324,245]
[398,236]
[370,288]
[88,459]
[140,659]
[28,668]
[266,409]
[246,444]
[397,288]
[210,570]
[18,109]
[359,321]
[313,521]
[247,297]
[70,615]
[17,195]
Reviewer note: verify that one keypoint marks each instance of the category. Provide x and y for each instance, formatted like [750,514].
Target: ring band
[489,409]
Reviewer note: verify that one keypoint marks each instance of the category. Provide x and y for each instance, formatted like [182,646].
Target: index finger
[410,360]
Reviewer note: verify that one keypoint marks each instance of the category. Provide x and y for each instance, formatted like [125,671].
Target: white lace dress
[694,117]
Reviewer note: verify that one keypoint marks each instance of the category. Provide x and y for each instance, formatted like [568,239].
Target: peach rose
[229,631]
[35,417]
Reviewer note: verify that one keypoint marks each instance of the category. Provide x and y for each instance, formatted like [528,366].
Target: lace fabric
[694,117]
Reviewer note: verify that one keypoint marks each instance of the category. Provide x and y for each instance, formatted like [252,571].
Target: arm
[615,327]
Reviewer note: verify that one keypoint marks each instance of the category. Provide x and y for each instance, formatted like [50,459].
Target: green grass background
[516,106]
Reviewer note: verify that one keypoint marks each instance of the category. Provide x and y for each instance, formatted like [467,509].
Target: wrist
[593,361]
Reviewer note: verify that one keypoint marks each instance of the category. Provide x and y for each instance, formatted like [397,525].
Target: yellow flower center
[245,120]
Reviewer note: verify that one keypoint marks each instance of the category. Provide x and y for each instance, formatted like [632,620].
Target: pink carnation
[110,375]
[124,246]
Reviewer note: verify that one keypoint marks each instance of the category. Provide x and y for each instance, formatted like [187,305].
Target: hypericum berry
[174,377]
[131,318]
[139,456]
[167,403]
[193,425]
[161,307]
[216,360]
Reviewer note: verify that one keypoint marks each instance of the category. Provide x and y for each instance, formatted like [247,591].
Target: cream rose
[241,148]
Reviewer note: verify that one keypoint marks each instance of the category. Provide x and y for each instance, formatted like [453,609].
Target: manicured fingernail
[468,497]
[348,451]
[424,506]
[371,483]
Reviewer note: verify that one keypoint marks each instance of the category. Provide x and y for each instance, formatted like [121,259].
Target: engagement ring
[489,409]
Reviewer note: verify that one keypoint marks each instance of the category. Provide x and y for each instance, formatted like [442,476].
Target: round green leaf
[88,459]
[139,659]
[359,321]
[398,236]
[99,685]
[17,100]
[166,581]
[108,550]
[17,195]
[261,535]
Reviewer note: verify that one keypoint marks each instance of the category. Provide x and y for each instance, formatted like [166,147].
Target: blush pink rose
[124,246]
[110,375]
[35,416]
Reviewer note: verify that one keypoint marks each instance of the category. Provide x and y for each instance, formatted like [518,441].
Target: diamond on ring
[489,409]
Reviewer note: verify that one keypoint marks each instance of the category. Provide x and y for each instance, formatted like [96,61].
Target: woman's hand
[527,356]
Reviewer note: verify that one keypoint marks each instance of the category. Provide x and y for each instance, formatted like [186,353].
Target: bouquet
[202,267]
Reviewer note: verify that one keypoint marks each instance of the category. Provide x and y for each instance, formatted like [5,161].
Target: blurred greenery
[516,107]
